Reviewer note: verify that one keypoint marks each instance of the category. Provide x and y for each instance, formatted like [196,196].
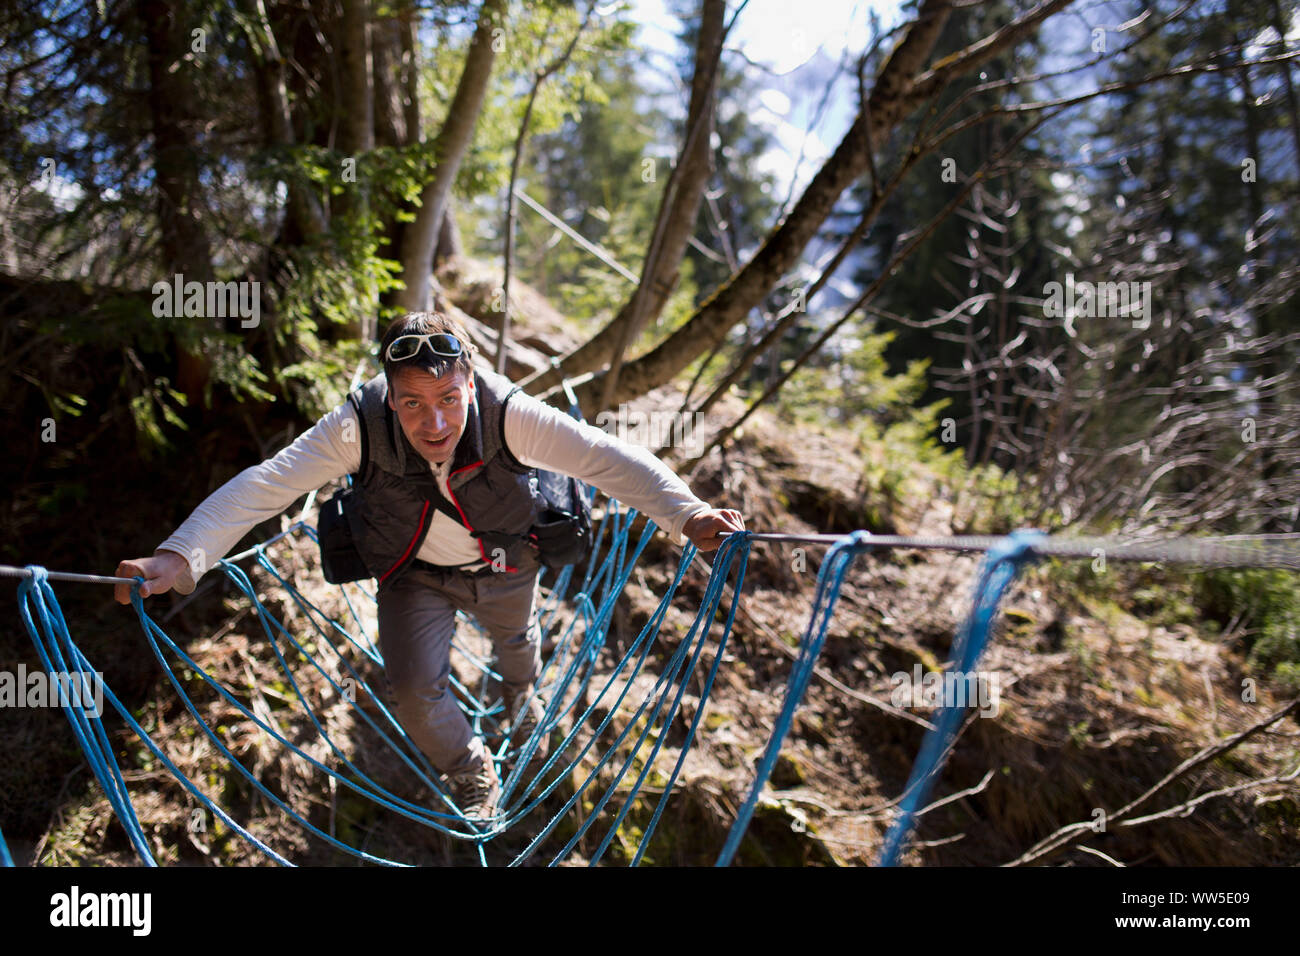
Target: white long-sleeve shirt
[537,434]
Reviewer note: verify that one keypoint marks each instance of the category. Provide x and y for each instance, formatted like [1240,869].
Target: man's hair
[423,323]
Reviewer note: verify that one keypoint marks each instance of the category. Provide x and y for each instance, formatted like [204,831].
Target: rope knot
[1019,546]
[861,541]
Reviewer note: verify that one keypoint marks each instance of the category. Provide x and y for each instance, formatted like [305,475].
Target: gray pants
[417,619]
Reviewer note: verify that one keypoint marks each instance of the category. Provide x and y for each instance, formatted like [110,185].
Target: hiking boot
[525,711]
[477,792]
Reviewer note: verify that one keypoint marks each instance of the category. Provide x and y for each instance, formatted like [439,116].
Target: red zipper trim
[418,531]
[461,511]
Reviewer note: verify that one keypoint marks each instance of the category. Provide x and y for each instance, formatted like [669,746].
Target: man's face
[433,411]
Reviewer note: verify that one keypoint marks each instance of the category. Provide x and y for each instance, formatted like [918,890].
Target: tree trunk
[730,304]
[389,59]
[449,240]
[357,102]
[305,215]
[900,86]
[397,117]
[185,247]
[681,203]
[1284,68]
[421,237]
[675,223]
[356,138]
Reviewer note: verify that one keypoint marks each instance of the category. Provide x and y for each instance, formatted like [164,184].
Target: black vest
[492,493]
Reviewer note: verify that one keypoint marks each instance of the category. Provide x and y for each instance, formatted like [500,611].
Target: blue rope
[1000,565]
[88,729]
[378,794]
[595,638]
[640,647]
[242,581]
[572,666]
[225,751]
[830,577]
[5,858]
[743,544]
[713,595]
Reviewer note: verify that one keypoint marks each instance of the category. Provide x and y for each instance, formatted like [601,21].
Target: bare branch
[1072,832]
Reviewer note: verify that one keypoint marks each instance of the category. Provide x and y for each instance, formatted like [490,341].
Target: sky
[790,40]
[777,33]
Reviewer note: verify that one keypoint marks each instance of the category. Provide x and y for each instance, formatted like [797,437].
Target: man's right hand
[159,572]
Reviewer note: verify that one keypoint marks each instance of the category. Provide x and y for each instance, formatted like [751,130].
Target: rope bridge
[582,701]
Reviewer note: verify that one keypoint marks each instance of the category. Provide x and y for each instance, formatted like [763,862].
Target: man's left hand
[706,529]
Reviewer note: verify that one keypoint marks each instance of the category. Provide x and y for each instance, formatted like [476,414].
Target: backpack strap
[360,475]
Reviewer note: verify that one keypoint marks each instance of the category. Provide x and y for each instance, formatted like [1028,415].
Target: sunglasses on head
[408,346]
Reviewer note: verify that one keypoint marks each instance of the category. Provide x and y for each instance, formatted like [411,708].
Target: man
[444,504]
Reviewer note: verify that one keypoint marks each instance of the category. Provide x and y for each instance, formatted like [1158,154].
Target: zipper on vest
[461,511]
[419,533]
